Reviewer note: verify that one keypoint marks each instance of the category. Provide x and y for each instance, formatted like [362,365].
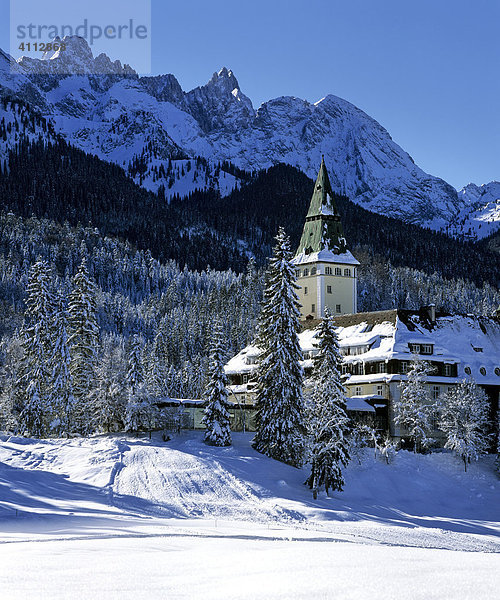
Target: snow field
[117,516]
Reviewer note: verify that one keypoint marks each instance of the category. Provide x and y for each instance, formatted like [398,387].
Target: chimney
[430,312]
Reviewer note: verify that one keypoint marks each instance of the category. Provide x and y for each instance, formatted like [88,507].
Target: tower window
[305,291]
[338,271]
[347,272]
[338,308]
[328,289]
[328,270]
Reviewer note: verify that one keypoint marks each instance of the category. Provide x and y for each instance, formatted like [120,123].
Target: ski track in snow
[113,486]
[178,484]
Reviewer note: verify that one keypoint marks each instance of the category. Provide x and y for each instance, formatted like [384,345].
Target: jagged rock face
[220,105]
[118,114]
[76,59]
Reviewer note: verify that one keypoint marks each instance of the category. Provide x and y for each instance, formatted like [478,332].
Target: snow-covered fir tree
[109,406]
[414,409]
[464,420]
[280,421]
[61,400]
[140,412]
[328,423]
[84,344]
[216,415]
[34,383]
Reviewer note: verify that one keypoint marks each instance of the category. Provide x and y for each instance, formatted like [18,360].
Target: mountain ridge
[124,118]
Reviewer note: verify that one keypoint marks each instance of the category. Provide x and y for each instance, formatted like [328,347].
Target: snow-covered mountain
[481,214]
[151,123]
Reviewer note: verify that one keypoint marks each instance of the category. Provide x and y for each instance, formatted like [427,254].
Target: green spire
[323,228]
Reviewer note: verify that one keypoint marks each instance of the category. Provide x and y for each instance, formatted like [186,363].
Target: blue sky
[427,70]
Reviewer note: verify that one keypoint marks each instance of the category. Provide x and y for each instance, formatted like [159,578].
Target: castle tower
[326,270]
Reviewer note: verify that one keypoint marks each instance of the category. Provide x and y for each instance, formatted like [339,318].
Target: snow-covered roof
[456,339]
[325,256]
[359,404]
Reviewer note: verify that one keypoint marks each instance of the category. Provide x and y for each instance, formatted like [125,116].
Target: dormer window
[482,370]
[426,349]
[477,349]
[467,371]
[414,348]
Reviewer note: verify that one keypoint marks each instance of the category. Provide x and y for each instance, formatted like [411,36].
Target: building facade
[377,350]
[326,270]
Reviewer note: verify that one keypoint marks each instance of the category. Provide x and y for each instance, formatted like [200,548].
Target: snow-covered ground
[122,517]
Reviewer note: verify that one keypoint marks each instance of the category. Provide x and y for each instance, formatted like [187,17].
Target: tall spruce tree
[464,420]
[140,412]
[414,408]
[280,405]
[83,343]
[61,388]
[328,422]
[216,415]
[34,383]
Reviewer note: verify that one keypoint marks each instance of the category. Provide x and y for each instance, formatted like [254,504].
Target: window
[436,391]
[358,390]
[497,371]
[313,271]
[345,369]
[297,273]
[347,272]
[482,370]
[414,348]
[378,389]
[305,291]
[328,270]
[477,349]
[338,271]
[381,367]
[338,308]
[328,289]
[313,307]
[404,367]
[306,272]
[426,348]
[467,370]
[245,378]
[448,370]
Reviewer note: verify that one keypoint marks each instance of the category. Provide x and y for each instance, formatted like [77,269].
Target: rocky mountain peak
[76,59]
